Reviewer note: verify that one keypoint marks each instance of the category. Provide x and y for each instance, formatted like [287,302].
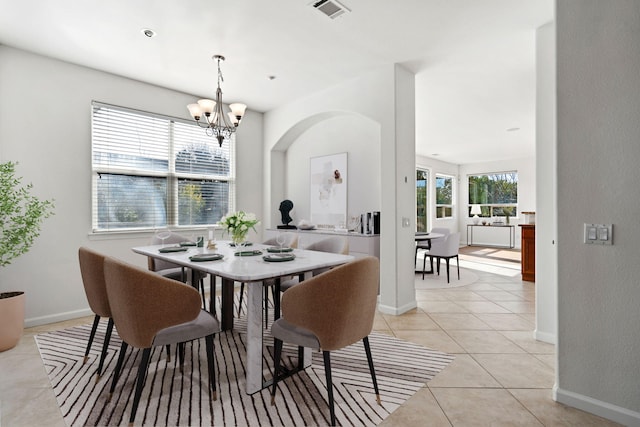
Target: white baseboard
[602,409]
[58,317]
[396,311]
[544,337]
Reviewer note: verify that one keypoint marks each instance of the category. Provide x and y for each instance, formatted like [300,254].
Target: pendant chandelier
[209,114]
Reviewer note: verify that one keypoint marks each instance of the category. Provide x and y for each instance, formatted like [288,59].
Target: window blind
[153,171]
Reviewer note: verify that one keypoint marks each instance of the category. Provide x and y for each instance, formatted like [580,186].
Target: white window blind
[153,171]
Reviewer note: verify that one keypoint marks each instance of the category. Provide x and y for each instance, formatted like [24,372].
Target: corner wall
[598,125]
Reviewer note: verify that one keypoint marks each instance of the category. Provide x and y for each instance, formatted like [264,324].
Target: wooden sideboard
[528,252]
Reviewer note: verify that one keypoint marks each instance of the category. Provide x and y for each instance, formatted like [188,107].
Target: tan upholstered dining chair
[149,310]
[328,312]
[92,272]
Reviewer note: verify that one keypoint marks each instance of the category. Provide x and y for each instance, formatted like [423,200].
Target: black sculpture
[285,208]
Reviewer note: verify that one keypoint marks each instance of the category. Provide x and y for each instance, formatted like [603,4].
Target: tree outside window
[496,193]
[444,196]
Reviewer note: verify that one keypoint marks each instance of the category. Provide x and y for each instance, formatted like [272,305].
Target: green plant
[21,214]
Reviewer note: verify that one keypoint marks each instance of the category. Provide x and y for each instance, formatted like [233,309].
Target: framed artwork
[328,190]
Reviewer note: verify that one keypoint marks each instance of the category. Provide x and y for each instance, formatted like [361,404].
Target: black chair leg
[458,265]
[211,365]
[212,295]
[118,368]
[181,355]
[168,350]
[241,294]
[265,289]
[142,371]
[367,349]
[96,321]
[277,352]
[424,264]
[204,299]
[276,299]
[105,347]
[327,371]
[447,261]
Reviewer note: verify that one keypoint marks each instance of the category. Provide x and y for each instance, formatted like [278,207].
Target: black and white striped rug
[174,399]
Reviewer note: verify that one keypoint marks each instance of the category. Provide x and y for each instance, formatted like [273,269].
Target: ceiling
[474,60]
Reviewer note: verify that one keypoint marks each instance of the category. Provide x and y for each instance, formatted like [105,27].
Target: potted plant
[21,215]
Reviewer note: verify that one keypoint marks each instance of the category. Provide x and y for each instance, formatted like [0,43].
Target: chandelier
[216,122]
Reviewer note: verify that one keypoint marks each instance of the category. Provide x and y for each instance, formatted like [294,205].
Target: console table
[511,229]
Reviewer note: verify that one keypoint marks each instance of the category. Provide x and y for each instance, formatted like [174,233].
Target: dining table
[422,236]
[252,265]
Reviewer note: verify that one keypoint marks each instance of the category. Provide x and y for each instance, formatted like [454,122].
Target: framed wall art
[328,190]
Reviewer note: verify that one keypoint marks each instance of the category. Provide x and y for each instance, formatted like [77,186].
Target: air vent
[331,8]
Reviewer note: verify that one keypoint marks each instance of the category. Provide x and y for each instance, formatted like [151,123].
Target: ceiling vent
[331,8]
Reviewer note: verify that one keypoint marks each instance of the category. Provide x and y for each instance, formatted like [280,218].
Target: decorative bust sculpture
[285,208]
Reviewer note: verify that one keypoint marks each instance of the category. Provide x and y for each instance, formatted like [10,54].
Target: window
[421,199]
[444,196]
[496,193]
[152,171]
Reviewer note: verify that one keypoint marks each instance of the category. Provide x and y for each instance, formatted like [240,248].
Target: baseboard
[602,409]
[396,311]
[58,317]
[544,337]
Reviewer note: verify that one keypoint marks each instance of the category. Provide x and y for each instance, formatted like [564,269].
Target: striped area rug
[174,399]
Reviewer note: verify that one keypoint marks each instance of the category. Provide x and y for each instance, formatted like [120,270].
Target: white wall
[45,125]
[546,192]
[598,149]
[355,135]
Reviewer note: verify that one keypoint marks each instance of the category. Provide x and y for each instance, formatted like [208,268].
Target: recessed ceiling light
[148,32]
[513,129]
[271,77]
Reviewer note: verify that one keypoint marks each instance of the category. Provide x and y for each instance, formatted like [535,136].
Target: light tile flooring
[501,376]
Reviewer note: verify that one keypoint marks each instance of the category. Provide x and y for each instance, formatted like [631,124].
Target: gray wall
[598,140]
[45,125]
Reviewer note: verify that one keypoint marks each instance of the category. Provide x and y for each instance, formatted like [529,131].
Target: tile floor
[501,376]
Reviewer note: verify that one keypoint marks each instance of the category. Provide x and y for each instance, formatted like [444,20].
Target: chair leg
[181,355]
[105,347]
[447,261]
[204,300]
[327,371]
[211,364]
[275,291]
[94,328]
[265,289]
[367,349]
[458,265]
[168,350]
[142,371]
[118,368]
[212,295]
[424,264]
[277,352]
[241,294]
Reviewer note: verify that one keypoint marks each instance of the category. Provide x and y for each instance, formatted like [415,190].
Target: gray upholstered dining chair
[445,248]
[333,244]
[290,241]
[177,272]
[149,310]
[92,272]
[328,312]
[426,245]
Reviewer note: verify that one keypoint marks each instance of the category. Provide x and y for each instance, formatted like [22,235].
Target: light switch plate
[598,234]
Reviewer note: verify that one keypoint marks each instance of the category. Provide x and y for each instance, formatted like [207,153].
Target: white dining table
[252,270]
